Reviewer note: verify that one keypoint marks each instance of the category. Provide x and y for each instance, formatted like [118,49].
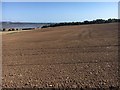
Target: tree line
[97,21]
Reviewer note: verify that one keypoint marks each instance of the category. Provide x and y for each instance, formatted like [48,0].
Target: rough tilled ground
[61,57]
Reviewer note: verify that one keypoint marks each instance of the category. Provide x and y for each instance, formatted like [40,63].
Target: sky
[58,11]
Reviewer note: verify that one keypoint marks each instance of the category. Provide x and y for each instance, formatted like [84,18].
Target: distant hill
[97,21]
[22,23]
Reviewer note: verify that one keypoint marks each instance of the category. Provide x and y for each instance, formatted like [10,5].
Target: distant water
[22,25]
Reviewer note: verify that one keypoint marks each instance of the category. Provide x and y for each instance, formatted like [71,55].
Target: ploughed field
[61,57]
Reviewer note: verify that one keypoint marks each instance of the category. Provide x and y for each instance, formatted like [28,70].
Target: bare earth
[61,57]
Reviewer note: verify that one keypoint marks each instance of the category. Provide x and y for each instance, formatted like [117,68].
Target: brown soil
[61,57]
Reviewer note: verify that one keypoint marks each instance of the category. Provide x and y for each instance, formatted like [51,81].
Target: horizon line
[52,22]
